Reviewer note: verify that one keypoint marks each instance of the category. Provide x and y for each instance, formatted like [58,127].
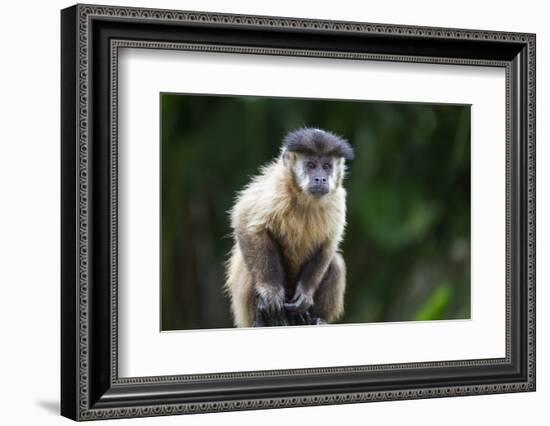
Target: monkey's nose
[320,180]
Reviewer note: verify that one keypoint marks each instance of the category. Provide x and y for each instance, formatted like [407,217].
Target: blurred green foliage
[407,243]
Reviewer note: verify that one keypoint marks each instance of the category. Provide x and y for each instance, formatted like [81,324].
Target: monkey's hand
[270,306]
[301,301]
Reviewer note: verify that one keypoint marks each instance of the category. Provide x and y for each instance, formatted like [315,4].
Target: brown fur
[274,215]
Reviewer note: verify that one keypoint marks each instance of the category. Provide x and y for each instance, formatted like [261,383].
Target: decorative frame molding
[91,37]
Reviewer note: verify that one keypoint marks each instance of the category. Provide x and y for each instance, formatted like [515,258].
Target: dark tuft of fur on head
[318,142]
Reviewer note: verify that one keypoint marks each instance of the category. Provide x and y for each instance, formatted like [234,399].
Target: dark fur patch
[263,258]
[330,293]
[318,142]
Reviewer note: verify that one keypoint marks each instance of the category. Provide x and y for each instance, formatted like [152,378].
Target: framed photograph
[263,212]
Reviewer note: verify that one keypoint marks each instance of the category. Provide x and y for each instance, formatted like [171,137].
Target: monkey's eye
[327,166]
[310,165]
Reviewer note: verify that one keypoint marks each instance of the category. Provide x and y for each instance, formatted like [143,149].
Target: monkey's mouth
[318,190]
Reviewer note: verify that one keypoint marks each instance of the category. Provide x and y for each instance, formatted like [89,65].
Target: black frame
[90,38]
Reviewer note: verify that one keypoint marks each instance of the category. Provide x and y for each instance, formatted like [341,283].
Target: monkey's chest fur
[301,230]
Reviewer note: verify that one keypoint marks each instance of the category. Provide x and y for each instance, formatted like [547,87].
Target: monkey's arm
[309,279]
[263,260]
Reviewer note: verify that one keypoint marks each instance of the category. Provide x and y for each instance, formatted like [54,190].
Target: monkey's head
[316,158]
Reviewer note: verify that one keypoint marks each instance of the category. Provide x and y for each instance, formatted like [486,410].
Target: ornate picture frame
[91,37]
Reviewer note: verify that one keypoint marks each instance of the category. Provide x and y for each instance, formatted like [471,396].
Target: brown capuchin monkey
[285,267]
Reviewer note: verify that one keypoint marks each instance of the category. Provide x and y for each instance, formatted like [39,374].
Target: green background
[407,243]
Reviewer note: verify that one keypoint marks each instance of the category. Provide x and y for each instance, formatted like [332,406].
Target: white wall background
[29,217]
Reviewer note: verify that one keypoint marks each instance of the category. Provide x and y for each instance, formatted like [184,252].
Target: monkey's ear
[289,158]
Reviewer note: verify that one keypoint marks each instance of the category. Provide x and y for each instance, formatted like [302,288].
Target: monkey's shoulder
[262,198]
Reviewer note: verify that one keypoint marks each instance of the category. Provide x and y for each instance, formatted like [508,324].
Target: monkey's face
[316,175]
